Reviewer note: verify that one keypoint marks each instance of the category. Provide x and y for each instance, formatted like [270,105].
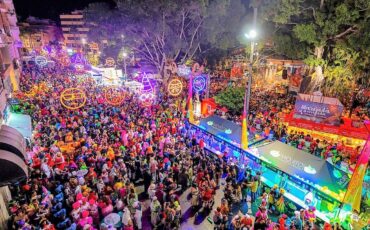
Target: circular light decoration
[175,87]
[183,70]
[147,99]
[114,95]
[73,98]
[110,62]
[199,83]
[41,61]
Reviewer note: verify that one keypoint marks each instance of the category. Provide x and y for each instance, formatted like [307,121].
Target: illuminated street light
[83,40]
[251,35]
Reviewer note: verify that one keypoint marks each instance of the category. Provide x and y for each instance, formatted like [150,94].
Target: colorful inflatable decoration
[110,62]
[41,61]
[73,98]
[199,83]
[175,87]
[114,95]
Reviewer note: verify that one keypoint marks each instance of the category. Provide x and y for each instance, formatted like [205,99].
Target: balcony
[5,40]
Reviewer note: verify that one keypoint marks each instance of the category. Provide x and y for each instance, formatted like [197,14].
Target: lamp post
[244,138]
[124,63]
[83,40]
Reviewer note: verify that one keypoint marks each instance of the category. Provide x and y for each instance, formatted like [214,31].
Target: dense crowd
[86,165]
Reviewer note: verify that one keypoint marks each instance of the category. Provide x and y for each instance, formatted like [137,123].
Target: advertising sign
[318,112]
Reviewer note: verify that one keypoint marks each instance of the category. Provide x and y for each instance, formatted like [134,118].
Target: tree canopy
[321,27]
[159,31]
[232,98]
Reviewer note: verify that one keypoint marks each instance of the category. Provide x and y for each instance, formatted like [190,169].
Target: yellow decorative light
[73,98]
[175,87]
[114,95]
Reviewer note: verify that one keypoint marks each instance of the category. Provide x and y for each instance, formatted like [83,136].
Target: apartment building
[10,44]
[36,33]
[74,29]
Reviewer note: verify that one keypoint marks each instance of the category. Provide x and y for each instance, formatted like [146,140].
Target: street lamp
[124,54]
[83,40]
[244,138]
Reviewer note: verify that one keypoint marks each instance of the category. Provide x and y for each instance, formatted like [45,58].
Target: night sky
[50,8]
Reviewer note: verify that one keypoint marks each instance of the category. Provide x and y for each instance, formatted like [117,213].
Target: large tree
[165,30]
[318,24]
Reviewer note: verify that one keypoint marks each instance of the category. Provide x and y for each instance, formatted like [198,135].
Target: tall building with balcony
[10,45]
[74,29]
[37,33]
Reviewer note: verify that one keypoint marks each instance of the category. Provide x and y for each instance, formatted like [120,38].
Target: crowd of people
[86,164]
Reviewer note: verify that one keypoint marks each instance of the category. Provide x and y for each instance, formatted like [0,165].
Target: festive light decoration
[79,67]
[147,99]
[40,88]
[175,87]
[41,61]
[65,61]
[110,62]
[94,46]
[73,98]
[199,83]
[114,95]
[147,96]
[183,70]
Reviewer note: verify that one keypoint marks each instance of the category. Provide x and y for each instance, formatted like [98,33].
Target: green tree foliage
[158,31]
[232,98]
[320,26]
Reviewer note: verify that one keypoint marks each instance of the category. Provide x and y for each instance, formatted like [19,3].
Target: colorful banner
[353,195]
[295,83]
[318,112]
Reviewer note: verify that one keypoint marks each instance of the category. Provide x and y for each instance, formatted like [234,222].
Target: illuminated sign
[175,87]
[199,83]
[110,62]
[41,61]
[292,162]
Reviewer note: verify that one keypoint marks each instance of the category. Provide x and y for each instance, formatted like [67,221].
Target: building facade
[37,33]
[10,45]
[74,29]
